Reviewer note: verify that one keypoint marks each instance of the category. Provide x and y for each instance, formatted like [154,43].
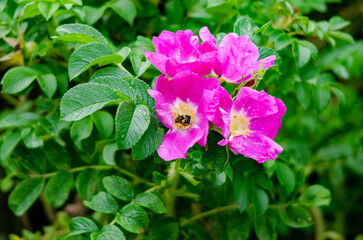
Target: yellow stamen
[239,126]
[183,115]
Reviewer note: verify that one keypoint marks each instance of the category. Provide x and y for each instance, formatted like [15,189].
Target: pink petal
[254,104]
[177,142]
[163,109]
[237,55]
[219,110]
[157,59]
[173,67]
[269,125]
[256,146]
[206,36]
[164,86]
[189,86]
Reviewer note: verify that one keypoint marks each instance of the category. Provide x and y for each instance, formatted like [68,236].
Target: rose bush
[174,119]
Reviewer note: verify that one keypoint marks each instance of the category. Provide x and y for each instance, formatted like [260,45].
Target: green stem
[218,210]
[78,169]
[123,68]
[173,179]
[208,213]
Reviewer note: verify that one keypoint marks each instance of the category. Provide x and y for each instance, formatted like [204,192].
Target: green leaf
[321,96]
[214,157]
[303,93]
[140,88]
[131,123]
[260,201]
[337,22]
[296,216]
[245,26]
[238,226]
[261,180]
[151,201]
[31,138]
[48,83]
[315,195]
[339,93]
[81,130]
[86,184]
[102,202]
[138,65]
[79,33]
[150,141]
[57,190]
[313,50]
[93,14]
[118,187]
[242,191]
[80,225]
[76,2]
[108,232]
[266,52]
[85,99]
[25,194]
[214,3]
[30,10]
[47,9]
[301,54]
[104,123]
[265,228]
[342,36]
[285,176]
[174,11]
[18,120]
[116,83]
[166,229]
[88,55]
[133,218]
[8,144]
[109,153]
[110,72]
[126,9]
[17,79]
[282,41]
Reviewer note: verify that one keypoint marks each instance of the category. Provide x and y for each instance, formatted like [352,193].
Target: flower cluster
[189,96]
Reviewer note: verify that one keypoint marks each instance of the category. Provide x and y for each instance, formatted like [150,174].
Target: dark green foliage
[76,115]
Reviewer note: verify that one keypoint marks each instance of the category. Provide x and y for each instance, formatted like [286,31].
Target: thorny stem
[78,169]
[173,179]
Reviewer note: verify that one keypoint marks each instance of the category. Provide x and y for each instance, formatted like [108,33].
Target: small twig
[78,169]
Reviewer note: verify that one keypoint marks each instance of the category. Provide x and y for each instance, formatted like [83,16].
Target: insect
[185,120]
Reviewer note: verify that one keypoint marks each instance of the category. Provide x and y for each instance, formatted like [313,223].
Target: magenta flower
[181,51]
[250,124]
[181,105]
[236,57]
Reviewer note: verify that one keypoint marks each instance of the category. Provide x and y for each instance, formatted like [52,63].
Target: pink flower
[236,57]
[250,124]
[180,51]
[181,105]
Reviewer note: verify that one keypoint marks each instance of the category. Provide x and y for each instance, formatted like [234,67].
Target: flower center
[183,116]
[239,126]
